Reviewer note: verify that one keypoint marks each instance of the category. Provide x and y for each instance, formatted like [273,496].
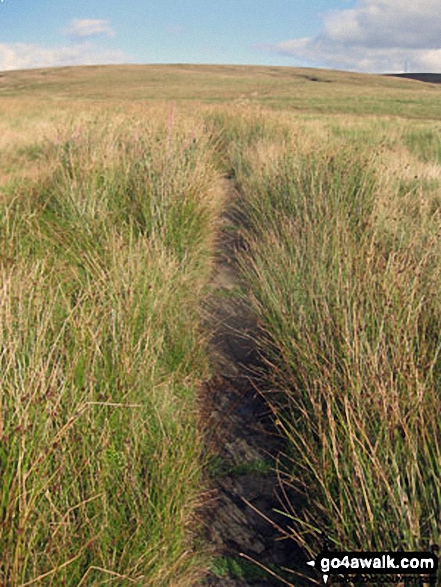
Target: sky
[375,36]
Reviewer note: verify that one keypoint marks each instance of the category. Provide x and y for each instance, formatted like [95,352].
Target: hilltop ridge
[431,78]
[287,88]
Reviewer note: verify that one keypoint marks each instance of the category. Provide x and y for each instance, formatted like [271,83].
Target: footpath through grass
[108,215]
[343,263]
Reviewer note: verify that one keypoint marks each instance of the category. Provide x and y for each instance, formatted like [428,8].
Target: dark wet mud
[241,520]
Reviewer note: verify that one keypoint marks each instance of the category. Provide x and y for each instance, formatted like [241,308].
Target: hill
[331,92]
[220,287]
[431,78]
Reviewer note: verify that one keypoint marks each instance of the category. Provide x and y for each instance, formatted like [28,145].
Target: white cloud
[376,36]
[80,51]
[81,28]
[174,29]
[24,56]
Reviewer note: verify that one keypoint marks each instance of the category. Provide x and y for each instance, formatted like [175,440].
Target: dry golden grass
[342,257]
[301,90]
[111,190]
[100,252]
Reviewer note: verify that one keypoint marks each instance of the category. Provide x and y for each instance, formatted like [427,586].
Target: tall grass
[345,282]
[425,143]
[106,246]
[104,262]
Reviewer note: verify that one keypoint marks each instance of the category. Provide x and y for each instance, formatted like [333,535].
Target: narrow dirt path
[241,522]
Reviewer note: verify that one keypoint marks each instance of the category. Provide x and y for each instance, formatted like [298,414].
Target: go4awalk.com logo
[411,568]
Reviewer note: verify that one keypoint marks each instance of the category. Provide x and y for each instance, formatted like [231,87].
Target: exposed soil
[241,520]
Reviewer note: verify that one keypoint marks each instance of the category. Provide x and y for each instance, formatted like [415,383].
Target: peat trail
[240,519]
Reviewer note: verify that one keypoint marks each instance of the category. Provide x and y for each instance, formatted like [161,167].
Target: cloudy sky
[360,35]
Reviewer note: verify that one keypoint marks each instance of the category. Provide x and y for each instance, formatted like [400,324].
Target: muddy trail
[241,521]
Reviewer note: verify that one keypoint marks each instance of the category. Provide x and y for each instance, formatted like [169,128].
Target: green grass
[233,567]
[101,459]
[110,197]
[281,88]
[425,143]
[344,287]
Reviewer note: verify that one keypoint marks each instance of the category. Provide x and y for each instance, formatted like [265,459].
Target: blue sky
[359,35]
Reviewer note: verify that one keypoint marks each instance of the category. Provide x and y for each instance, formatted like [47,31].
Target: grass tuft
[349,309]
[100,455]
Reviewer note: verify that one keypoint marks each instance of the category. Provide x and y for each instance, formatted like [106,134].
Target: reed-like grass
[108,213]
[343,265]
[104,263]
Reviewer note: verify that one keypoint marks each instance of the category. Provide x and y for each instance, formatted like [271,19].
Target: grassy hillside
[330,92]
[111,187]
